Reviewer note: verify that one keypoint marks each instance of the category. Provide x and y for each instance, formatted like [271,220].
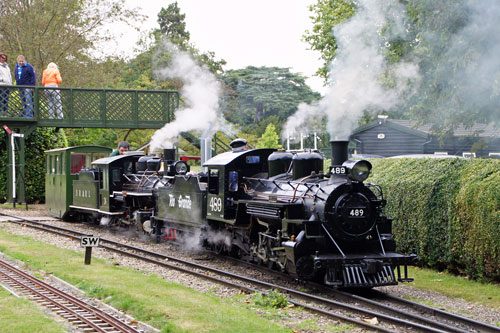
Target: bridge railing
[79,107]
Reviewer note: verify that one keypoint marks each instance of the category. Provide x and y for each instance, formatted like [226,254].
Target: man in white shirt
[5,80]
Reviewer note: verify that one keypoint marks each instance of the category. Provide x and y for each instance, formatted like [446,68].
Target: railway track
[81,315]
[412,316]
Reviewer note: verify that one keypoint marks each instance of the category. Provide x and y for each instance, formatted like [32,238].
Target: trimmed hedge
[447,211]
[37,142]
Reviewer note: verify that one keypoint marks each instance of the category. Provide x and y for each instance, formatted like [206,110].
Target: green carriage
[62,167]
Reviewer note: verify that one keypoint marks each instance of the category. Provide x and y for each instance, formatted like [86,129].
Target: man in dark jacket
[25,76]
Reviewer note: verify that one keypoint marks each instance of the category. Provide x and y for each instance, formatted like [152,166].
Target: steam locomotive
[273,207]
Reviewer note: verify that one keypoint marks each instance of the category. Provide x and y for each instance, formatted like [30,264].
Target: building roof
[480,130]
[90,148]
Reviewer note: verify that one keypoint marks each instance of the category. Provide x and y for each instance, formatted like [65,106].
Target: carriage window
[60,165]
[233,181]
[55,168]
[104,184]
[77,163]
[128,167]
[116,175]
[213,181]
[253,159]
[48,164]
[63,162]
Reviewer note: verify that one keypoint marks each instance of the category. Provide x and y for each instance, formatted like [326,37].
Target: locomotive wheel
[235,252]
[305,268]
[219,247]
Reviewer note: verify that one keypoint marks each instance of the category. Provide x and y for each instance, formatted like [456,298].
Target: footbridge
[31,107]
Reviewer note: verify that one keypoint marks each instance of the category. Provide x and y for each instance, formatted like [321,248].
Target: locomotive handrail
[300,196]
[287,181]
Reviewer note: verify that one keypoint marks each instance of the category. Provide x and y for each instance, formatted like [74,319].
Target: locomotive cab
[95,191]
[225,173]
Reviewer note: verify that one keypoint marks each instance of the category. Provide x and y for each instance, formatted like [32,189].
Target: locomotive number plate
[215,204]
[339,170]
[357,212]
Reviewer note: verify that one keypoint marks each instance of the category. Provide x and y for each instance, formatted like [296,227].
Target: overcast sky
[242,32]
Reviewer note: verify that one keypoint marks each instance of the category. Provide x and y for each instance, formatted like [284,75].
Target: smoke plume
[453,78]
[461,80]
[201,92]
[360,78]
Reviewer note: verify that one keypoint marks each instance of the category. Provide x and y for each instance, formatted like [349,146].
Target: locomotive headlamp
[358,170]
[181,168]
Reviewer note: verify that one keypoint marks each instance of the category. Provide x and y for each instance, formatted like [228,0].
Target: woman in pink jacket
[51,78]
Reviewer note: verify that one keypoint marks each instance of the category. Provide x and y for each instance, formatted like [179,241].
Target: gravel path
[290,317]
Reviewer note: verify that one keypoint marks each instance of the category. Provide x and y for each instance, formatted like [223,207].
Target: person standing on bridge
[51,78]
[5,80]
[25,76]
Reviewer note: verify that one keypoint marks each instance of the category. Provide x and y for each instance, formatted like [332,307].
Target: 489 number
[215,204]
[357,212]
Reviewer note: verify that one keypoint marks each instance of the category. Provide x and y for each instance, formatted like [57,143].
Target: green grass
[13,317]
[168,306]
[19,206]
[174,308]
[486,294]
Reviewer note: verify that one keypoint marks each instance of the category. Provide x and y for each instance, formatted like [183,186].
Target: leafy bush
[447,211]
[37,142]
[273,299]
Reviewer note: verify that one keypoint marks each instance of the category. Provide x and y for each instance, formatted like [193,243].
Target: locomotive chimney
[339,151]
[169,154]
[205,151]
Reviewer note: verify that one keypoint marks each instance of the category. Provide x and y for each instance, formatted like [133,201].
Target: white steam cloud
[465,85]
[192,242]
[201,92]
[360,77]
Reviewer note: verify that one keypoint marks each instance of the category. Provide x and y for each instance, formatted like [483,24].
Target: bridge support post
[17,160]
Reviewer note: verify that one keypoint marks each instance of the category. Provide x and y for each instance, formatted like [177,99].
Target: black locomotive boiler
[280,209]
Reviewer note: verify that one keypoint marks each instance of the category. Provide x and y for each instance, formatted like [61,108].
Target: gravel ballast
[321,324]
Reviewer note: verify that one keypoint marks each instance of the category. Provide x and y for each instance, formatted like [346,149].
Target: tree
[172,24]
[269,139]
[255,93]
[66,32]
[327,14]
[454,42]
[139,73]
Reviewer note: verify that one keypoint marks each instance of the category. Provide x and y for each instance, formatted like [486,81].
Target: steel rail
[64,232]
[83,311]
[483,327]
[438,327]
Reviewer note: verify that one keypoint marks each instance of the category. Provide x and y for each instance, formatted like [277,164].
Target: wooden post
[88,255]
